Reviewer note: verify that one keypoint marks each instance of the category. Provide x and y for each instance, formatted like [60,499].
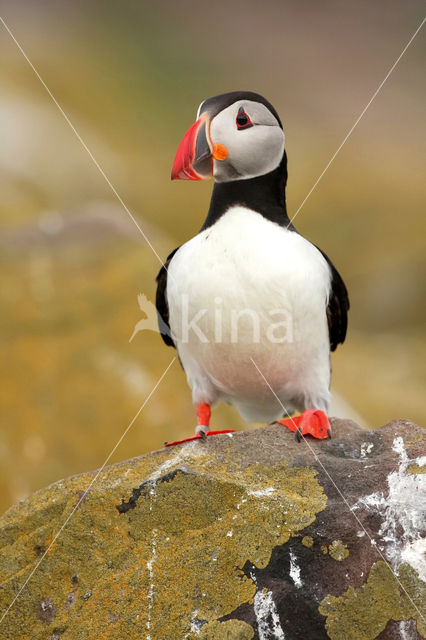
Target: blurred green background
[131,75]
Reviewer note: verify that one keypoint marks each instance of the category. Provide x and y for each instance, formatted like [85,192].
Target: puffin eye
[243,119]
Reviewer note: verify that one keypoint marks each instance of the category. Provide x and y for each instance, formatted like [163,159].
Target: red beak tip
[183,164]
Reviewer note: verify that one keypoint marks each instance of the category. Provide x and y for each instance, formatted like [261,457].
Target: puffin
[251,306]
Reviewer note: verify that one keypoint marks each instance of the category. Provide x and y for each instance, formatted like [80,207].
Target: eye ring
[243,119]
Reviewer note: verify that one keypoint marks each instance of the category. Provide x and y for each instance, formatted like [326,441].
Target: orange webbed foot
[312,422]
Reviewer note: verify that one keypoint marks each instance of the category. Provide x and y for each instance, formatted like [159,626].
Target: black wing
[338,307]
[161,302]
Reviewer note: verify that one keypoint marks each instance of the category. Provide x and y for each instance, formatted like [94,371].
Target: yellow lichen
[338,550]
[419,438]
[229,630]
[324,549]
[362,614]
[308,541]
[415,468]
[179,550]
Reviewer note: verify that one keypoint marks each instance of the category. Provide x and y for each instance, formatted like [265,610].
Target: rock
[237,537]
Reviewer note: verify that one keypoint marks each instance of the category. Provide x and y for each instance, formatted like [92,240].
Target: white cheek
[251,152]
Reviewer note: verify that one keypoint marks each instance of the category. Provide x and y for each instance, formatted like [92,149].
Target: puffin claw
[329,432]
[201,430]
[299,434]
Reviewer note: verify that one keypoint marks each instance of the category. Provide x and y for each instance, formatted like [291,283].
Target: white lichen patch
[403,512]
[167,465]
[260,493]
[295,570]
[407,629]
[267,618]
[151,592]
[196,624]
[415,554]
[366,449]
[186,453]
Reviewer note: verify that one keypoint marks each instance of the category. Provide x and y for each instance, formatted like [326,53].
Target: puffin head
[237,136]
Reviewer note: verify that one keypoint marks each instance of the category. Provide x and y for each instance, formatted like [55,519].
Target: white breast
[248,288]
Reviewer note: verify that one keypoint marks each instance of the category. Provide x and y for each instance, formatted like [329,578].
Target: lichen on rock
[362,614]
[308,541]
[216,539]
[229,630]
[180,546]
[338,550]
